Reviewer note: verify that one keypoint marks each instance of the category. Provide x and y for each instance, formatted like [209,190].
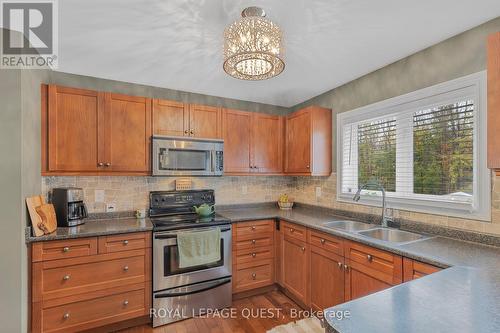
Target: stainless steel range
[180,293]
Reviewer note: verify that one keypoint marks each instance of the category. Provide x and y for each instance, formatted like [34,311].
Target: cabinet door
[326,280]
[413,269]
[298,142]
[236,133]
[73,131]
[128,133]
[205,121]
[170,118]
[362,281]
[267,143]
[295,268]
[279,253]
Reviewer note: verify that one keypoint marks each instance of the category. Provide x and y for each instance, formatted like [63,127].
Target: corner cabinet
[253,142]
[494,101]
[90,132]
[309,142]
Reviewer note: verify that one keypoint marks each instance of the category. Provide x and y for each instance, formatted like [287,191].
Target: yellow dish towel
[198,247]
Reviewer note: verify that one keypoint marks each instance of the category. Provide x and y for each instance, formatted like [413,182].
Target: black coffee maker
[69,206]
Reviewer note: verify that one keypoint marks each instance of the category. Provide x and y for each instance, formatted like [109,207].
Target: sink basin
[348,225]
[392,235]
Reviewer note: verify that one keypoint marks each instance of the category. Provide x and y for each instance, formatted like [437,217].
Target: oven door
[166,271]
[185,157]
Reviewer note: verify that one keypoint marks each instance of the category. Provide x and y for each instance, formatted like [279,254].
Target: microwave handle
[212,160]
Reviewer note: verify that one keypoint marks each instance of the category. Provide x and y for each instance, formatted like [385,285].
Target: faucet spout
[357,196]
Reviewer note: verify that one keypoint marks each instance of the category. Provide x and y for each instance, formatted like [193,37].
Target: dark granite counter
[95,228]
[462,298]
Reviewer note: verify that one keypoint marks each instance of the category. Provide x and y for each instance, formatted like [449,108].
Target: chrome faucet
[357,196]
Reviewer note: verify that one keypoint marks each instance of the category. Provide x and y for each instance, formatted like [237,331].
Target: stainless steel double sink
[376,232]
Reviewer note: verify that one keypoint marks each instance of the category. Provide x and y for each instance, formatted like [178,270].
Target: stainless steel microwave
[182,156]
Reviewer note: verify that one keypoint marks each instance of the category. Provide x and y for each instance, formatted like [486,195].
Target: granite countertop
[95,228]
[462,298]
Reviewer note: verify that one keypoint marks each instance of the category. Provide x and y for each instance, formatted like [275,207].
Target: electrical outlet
[99,195]
[318,191]
[244,189]
[110,207]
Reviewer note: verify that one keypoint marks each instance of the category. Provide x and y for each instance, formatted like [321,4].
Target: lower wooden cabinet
[85,283]
[413,269]
[326,279]
[295,267]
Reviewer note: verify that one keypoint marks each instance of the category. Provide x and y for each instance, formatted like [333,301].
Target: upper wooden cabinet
[309,142]
[180,119]
[253,142]
[89,132]
[494,101]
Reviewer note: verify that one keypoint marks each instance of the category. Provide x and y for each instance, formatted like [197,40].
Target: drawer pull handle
[253,241]
[322,241]
[369,257]
[254,255]
[346,268]
[253,227]
[65,249]
[303,249]
[125,268]
[66,315]
[291,230]
[254,276]
[66,277]
[340,264]
[125,242]
[125,302]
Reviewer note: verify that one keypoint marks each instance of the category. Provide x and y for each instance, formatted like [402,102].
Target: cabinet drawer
[68,280]
[76,316]
[124,242]
[326,242]
[253,243]
[251,229]
[254,277]
[295,231]
[254,255]
[379,260]
[61,249]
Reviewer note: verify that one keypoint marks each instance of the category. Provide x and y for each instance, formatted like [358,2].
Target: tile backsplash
[130,193]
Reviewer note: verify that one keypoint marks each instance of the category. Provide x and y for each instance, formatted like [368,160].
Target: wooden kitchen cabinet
[127,134]
[71,133]
[493,120]
[253,142]
[173,118]
[296,268]
[309,142]
[86,132]
[68,296]
[413,269]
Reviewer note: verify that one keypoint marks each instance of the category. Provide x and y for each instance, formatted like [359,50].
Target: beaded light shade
[253,47]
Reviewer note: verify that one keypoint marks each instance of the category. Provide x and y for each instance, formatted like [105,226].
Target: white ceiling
[177,44]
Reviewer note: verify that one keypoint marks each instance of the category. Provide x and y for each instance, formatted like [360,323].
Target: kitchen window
[427,148]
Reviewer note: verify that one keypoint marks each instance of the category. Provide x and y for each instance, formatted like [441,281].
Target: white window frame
[473,86]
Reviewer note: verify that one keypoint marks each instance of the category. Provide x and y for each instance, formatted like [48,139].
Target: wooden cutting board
[32,203]
[48,221]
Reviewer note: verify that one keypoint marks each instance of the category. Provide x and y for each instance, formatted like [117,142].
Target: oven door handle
[174,234]
[169,294]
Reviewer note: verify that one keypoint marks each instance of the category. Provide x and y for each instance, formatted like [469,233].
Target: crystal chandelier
[253,47]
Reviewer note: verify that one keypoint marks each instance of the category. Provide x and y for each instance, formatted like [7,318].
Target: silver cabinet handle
[307,166]
[125,242]
[125,302]
[66,277]
[254,255]
[303,249]
[191,132]
[125,268]
[254,276]
[253,227]
[292,230]
[253,241]
[369,257]
[340,264]
[100,164]
[322,241]
[346,268]
[66,315]
[186,132]
[65,249]
[107,164]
